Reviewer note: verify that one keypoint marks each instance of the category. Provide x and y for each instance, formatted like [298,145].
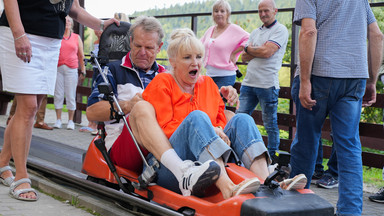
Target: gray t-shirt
[341,49]
[264,72]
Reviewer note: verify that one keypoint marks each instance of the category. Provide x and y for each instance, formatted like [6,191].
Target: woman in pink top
[223,44]
[71,56]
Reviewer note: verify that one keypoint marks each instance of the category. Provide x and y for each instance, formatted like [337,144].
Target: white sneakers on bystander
[57,124]
[70,125]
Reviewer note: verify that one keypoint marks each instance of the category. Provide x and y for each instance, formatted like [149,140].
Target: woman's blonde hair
[72,23]
[224,4]
[183,40]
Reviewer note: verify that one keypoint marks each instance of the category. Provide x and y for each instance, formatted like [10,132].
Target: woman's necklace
[67,38]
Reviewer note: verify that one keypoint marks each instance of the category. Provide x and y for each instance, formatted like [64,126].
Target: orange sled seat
[265,201]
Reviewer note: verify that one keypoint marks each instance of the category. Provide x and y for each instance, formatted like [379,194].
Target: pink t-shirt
[68,51]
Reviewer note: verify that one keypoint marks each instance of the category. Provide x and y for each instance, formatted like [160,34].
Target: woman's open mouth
[193,72]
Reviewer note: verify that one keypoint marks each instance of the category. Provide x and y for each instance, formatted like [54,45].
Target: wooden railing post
[294,60]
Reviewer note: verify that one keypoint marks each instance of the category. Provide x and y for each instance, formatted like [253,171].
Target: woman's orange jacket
[172,105]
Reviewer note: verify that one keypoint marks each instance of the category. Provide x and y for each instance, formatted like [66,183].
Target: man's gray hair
[149,24]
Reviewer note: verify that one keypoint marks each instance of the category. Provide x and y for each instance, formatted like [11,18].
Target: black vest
[41,17]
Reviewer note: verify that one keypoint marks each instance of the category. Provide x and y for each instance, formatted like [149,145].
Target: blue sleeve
[96,96]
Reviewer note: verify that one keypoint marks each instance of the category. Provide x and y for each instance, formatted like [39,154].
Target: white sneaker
[197,177]
[57,123]
[70,125]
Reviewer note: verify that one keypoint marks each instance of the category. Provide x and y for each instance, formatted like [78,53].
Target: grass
[75,202]
[371,176]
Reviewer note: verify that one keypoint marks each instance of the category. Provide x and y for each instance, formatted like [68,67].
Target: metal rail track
[75,180]
[57,161]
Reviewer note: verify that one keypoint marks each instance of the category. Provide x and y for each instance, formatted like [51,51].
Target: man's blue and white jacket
[126,83]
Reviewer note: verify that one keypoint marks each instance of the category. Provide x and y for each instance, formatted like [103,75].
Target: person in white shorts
[29,50]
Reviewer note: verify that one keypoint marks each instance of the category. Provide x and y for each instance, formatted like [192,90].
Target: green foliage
[283,106]
[372,114]
[373,176]
[74,201]
[89,39]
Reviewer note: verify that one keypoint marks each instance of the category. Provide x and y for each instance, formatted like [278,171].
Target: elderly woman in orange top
[190,111]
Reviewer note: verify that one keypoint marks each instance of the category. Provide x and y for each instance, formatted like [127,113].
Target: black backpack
[114,43]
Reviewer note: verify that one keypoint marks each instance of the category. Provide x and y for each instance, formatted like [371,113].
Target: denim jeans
[319,168]
[224,80]
[196,140]
[332,162]
[268,98]
[341,99]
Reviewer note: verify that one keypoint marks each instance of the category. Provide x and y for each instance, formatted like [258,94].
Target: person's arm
[264,51]
[307,47]
[22,45]
[80,56]
[100,111]
[233,56]
[82,16]
[243,38]
[375,49]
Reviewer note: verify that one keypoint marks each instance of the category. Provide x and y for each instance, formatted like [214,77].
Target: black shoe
[287,171]
[378,197]
[327,181]
[317,175]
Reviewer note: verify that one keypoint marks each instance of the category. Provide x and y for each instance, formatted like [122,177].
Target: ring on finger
[24,53]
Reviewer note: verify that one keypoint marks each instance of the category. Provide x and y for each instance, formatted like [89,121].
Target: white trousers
[66,84]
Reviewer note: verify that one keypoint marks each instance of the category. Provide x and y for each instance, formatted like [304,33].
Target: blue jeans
[341,99]
[196,140]
[319,159]
[268,98]
[224,80]
[332,162]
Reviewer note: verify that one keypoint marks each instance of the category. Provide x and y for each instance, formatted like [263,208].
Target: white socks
[173,162]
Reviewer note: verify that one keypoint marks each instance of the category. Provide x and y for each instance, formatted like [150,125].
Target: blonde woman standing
[223,44]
